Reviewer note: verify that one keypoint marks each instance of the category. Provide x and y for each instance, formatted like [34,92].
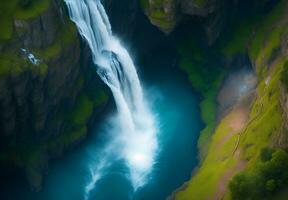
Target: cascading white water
[115,67]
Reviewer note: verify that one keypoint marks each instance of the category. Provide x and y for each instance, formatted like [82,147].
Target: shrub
[267,178]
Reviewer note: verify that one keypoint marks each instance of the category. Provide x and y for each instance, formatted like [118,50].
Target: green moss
[9,63]
[78,119]
[43,69]
[69,138]
[14,64]
[66,36]
[6,28]
[100,98]
[265,117]
[83,110]
[266,113]
[16,9]
[254,138]
[144,4]
[52,51]
[272,43]
[267,24]
[206,78]
[31,9]
[33,157]
[239,38]
[250,32]
[204,183]
[208,115]
[155,6]
[7,11]
[158,15]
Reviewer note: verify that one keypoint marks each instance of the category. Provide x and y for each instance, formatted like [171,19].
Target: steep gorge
[260,34]
[50,97]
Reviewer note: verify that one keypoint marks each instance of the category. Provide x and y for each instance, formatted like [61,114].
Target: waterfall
[137,133]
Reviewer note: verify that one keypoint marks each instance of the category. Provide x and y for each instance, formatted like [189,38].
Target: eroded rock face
[27,96]
[166,14]
[163,14]
[283,141]
[214,14]
[122,16]
[203,9]
[35,96]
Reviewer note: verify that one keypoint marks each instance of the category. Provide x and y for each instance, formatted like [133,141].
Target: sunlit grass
[219,158]
[265,114]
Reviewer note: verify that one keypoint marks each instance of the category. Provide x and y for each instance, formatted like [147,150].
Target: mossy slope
[262,39]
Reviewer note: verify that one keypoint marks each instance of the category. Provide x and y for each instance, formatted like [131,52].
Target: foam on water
[135,135]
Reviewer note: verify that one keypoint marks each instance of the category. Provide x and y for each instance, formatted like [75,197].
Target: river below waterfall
[176,107]
[95,165]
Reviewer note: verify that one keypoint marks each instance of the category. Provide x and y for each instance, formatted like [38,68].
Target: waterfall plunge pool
[95,165]
[176,107]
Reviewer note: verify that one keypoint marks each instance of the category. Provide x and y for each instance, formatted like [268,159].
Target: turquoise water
[176,107]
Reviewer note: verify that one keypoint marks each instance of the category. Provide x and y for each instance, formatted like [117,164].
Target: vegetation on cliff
[21,10]
[40,68]
[162,13]
[165,14]
[262,38]
[206,77]
[262,182]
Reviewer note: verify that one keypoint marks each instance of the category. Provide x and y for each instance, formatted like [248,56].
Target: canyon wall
[246,155]
[214,15]
[49,91]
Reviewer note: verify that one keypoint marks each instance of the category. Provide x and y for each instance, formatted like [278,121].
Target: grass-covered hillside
[251,161]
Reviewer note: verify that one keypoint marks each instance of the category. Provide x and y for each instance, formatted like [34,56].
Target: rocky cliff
[122,15]
[49,91]
[213,15]
[246,154]
[166,14]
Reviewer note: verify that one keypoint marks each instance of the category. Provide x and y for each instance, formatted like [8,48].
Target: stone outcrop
[167,14]
[214,14]
[43,77]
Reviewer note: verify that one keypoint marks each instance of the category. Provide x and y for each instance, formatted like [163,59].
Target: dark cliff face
[122,15]
[27,96]
[214,15]
[48,90]
[167,15]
